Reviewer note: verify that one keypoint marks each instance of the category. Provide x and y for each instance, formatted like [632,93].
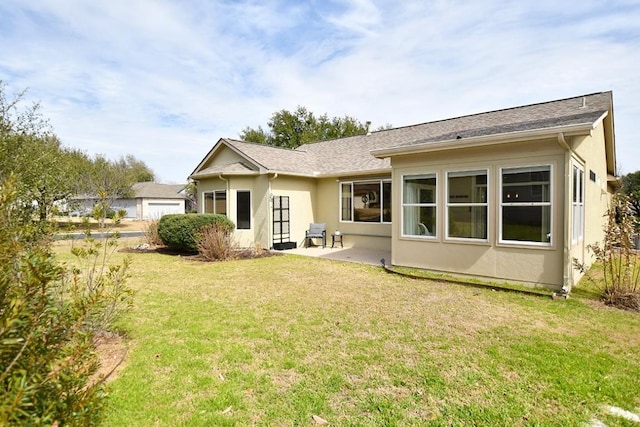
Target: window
[577,204]
[526,205]
[243,210]
[419,205]
[347,202]
[215,202]
[365,201]
[467,205]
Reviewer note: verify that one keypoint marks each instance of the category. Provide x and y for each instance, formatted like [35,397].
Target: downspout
[270,213]
[567,279]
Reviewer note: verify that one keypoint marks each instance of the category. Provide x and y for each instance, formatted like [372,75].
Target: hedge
[180,231]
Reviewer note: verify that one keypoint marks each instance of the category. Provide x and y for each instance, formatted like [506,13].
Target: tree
[292,129]
[46,172]
[631,187]
[137,170]
[33,155]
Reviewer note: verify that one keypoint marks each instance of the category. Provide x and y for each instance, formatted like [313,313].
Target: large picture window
[577,204]
[365,201]
[419,205]
[215,202]
[467,205]
[525,201]
[243,210]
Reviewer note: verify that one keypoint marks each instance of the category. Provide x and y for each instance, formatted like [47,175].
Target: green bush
[182,231]
[49,317]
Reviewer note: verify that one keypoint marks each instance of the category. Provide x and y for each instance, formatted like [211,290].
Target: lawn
[290,340]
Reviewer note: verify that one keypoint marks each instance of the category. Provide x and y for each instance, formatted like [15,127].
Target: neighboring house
[513,194]
[150,201]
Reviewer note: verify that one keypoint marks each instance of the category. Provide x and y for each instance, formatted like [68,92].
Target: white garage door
[157,209]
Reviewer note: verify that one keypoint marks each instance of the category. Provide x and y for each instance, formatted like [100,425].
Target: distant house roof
[153,190]
[370,153]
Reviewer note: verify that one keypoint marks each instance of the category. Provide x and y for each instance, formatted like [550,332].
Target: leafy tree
[136,169]
[30,152]
[292,129]
[631,187]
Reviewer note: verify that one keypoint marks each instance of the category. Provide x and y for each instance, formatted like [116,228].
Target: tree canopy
[44,171]
[631,187]
[292,129]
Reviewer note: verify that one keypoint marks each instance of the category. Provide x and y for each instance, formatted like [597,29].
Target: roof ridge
[257,144]
[499,110]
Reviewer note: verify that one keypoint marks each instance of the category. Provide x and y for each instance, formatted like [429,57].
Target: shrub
[181,231]
[620,283]
[215,243]
[151,233]
[48,322]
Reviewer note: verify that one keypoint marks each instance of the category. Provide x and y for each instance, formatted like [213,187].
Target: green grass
[274,341]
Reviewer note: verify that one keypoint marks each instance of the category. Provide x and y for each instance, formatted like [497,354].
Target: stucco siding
[224,156]
[261,210]
[522,262]
[302,193]
[374,235]
[590,151]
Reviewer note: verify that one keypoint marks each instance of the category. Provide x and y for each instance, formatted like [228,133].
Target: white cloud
[163,80]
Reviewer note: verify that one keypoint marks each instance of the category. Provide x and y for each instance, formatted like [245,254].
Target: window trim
[550,204]
[433,205]
[351,183]
[579,204]
[238,210]
[448,204]
[226,201]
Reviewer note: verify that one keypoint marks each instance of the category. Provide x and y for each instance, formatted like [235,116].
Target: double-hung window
[365,201]
[215,202]
[467,205]
[577,204]
[525,202]
[419,205]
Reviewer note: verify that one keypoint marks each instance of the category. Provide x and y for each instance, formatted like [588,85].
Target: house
[149,200]
[152,200]
[513,194]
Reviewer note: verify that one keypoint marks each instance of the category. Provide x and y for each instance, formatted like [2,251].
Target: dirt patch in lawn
[78,225]
[241,253]
[112,350]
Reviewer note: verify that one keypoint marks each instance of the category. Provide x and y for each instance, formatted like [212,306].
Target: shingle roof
[352,155]
[152,190]
[274,158]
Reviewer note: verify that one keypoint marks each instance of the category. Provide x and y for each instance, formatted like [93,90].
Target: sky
[163,80]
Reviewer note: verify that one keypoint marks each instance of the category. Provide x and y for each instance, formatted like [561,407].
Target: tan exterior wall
[515,262]
[355,234]
[302,193]
[233,184]
[224,156]
[589,151]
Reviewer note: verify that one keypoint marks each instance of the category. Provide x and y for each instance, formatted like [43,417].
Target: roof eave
[479,141]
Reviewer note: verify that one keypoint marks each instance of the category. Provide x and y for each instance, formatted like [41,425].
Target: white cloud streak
[163,80]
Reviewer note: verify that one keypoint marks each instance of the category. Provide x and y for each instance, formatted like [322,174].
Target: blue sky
[165,79]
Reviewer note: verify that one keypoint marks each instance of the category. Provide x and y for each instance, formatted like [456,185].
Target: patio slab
[354,254]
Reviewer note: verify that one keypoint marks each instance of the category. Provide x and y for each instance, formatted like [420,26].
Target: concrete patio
[354,254]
